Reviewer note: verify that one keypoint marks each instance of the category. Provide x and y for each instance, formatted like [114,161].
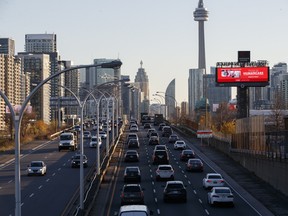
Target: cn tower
[201,15]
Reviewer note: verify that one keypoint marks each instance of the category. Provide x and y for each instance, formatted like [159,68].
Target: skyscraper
[170,100]
[201,15]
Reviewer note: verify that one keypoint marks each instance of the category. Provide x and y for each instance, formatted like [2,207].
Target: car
[180,144]
[166,131]
[194,164]
[140,210]
[187,154]
[86,135]
[150,131]
[102,134]
[213,180]
[161,125]
[77,128]
[134,128]
[131,136]
[132,173]
[132,194]
[36,168]
[147,126]
[173,138]
[76,161]
[160,147]
[153,140]
[164,172]
[221,195]
[131,156]
[133,143]
[160,157]
[175,190]
[94,141]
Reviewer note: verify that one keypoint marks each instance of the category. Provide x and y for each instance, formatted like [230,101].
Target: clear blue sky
[161,33]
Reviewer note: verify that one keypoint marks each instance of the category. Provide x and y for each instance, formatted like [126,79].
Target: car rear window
[214,177]
[165,168]
[132,189]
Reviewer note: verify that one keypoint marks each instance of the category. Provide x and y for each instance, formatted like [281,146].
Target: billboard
[242,76]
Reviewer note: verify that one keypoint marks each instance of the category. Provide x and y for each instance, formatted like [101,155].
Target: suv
[166,131]
[132,194]
[153,140]
[160,157]
[132,173]
[175,190]
[76,161]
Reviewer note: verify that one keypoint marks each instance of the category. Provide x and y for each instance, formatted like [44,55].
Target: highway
[197,195]
[49,194]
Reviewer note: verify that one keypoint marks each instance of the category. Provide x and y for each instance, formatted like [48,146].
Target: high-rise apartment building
[47,44]
[38,65]
[10,77]
[7,46]
[195,88]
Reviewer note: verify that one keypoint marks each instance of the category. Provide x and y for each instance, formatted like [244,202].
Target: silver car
[165,172]
[36,168]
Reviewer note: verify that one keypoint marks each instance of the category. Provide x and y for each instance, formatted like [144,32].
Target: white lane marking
[10,181]
[22,204]
[185,175]
[156,200]
[182,171]
[59,169]
[53,174]
[200,201]
[152,182]
[47,180]
[40,186]
[194,191]
[189,182]
[151,176]
[207,212]
[31,195]
[158,211]
[64,164]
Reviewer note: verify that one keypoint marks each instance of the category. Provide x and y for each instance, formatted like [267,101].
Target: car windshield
[66,137]
[222,190]
[132,189]
[187,152]
[175,186]
[165,168]
[134,213]
[36,164]
[94,139]
[214,177]
[131,153]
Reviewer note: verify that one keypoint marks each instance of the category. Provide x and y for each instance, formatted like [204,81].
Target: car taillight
[208,180]
[122,195]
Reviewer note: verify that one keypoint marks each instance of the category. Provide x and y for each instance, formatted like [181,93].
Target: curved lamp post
[17,122]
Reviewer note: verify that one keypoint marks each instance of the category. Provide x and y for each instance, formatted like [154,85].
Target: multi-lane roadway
[48,194]
[196,195]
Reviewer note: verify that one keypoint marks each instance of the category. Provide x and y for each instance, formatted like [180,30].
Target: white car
[213,180]
[36,168]
[94,141]
[220,195]
[165,172]
[180,144]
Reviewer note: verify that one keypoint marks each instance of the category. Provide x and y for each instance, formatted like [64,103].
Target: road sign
[204,133]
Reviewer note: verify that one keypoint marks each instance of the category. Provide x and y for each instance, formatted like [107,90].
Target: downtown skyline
[162,34]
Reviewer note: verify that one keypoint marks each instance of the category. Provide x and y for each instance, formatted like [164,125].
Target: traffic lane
[196,181]
[145,180]
[192,204]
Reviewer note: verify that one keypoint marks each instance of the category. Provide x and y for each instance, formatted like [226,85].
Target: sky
[161,33]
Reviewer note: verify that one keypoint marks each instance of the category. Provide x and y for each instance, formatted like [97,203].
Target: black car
[187,154]
[132,194]
[76,161]
[174,190]
[194,164]
[131,156]
[154,140]
[160,157]
[161,125]
[166,131]
[147,126]
[133,143]
[132,173]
